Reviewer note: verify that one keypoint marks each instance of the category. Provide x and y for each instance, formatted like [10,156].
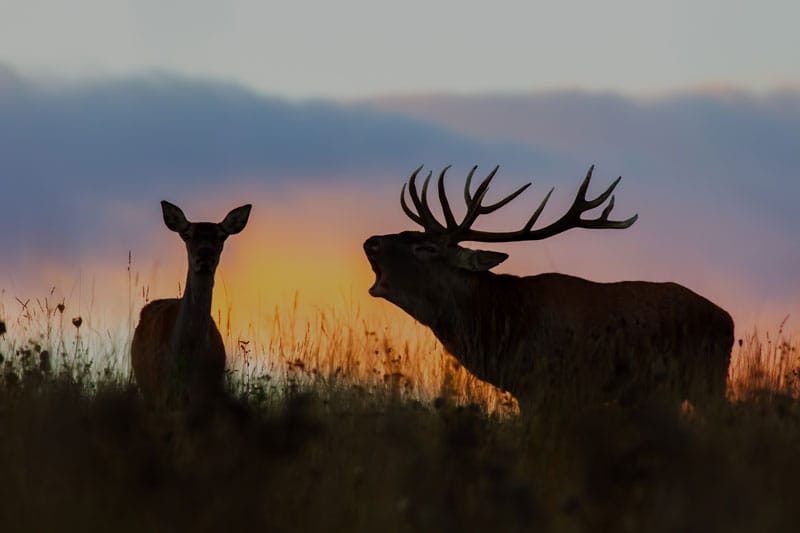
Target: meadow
[344,421]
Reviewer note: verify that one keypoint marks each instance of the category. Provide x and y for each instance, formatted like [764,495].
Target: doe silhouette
[177,352]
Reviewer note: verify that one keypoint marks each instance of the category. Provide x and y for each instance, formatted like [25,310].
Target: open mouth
[372,249]
[379,287]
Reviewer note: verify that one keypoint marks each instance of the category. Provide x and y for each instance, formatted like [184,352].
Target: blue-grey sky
[356,48]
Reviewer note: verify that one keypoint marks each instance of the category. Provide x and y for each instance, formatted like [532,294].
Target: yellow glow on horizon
[307,241]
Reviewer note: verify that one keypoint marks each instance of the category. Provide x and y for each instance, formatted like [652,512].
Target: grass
[354,424]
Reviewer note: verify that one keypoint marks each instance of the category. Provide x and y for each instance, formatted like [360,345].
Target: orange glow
[307,241]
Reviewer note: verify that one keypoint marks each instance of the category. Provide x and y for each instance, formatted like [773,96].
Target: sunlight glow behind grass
[350,342]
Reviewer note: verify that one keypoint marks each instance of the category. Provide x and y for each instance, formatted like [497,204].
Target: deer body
[177,346]
[620,339]
[177,352]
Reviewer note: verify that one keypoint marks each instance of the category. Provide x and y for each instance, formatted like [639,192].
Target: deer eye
[426,250]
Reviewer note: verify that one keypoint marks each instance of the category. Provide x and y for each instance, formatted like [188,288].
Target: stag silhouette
[521,334]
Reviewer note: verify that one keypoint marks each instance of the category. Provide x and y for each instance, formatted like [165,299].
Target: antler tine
[425,184]
[412,189]
[467,195]
[423,217]
[485,210]
[627,223]
[448,213]
[607,210]
[531,221]
[582,203]
[406,210]
[431,224]
[474,205]
[484,186]
[603,222]
[581,195]
[591,204]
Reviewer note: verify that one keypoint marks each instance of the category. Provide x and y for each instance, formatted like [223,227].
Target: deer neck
[475,325]
[455,323]
[194,314]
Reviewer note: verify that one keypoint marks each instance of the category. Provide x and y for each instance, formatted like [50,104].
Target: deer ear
[236,220]
[174,217]
[476,260]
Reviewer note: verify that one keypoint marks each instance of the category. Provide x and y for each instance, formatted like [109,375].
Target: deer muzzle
[372,248]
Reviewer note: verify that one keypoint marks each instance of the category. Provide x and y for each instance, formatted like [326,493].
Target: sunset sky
[317,113]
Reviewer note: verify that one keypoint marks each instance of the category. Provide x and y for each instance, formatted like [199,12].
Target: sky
[107,107]
[357,48]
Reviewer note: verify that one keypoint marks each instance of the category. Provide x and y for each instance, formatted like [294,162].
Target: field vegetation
[346,422]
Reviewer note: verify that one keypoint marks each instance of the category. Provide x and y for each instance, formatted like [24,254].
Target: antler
[457,232]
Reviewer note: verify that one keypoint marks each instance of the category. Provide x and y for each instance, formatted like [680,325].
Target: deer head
[422,270]
[204,240]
